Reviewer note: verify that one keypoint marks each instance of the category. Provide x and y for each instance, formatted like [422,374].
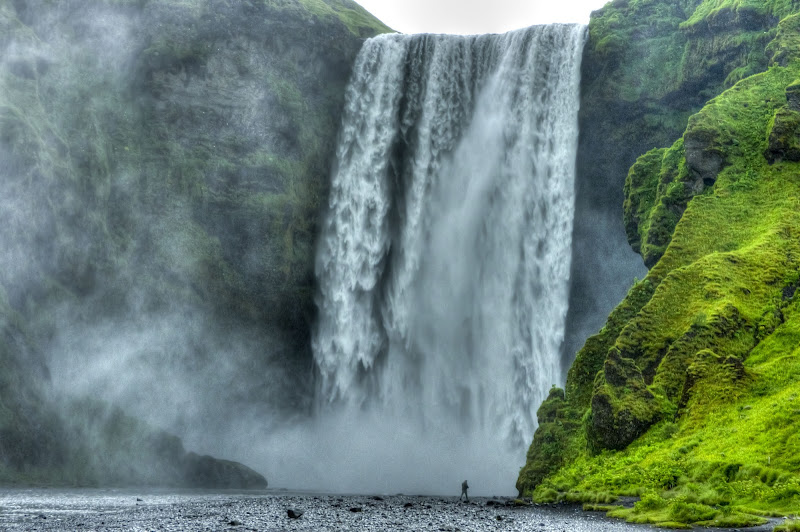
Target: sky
[477,16]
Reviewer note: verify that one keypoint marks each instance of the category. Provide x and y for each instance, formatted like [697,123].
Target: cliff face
[687,397]
[647,67]
[163,166]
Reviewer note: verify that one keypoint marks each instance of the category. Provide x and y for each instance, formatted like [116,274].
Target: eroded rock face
[793,96]
[703,156]
[783,143]
[710,369]
[551,438]
[622,406]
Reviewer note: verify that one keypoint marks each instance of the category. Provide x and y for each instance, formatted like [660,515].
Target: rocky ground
[42,509]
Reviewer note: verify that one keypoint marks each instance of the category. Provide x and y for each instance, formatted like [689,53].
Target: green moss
[713,330]
[639,87]
[589,507]
[718,11]
[547,455]
[784,48]
[783,136]
[640,196]
[659,186]
[641,57]
[622,407]
[680,512]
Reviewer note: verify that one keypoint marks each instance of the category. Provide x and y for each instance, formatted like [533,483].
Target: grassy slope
[642,77]
[713,329]
[357,19]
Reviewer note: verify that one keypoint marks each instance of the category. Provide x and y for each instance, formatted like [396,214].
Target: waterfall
[443,263]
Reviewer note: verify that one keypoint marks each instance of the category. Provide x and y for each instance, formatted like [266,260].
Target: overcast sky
[477,16]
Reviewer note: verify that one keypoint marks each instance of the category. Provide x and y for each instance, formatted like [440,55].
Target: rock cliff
[163,164]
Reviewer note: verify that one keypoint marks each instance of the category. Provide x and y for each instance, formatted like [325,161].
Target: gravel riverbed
[51,510]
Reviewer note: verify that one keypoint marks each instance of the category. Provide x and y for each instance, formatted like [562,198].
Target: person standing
[464,488]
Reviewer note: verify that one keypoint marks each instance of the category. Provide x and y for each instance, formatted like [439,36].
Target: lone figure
[464,488]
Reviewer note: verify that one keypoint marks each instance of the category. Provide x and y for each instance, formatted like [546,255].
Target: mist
[444,259]
[158,235]
[166,170]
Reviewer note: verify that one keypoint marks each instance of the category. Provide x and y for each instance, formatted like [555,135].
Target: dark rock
[549,441]
[793,96]
[210,472]
[234,522]
[294,514]
[784,136]
[704,157]
[356,509]
[408,505]
[622,406]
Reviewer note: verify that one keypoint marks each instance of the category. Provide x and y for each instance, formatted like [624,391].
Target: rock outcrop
[622,407]
[647,67]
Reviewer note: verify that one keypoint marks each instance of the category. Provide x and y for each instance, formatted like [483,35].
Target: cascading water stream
[444,259]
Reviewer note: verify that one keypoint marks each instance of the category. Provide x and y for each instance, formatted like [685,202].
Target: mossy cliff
[163,166]
[648,65]
[689,396]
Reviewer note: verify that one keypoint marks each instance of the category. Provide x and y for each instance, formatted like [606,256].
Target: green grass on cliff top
[357,19]
[732,452]
[709,9]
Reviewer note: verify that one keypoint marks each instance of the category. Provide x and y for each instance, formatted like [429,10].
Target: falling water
[444,259]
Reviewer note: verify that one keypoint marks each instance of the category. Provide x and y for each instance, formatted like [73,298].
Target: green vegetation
[689,397]
[355,17]
[649,65]
[709,12]
[616,42]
